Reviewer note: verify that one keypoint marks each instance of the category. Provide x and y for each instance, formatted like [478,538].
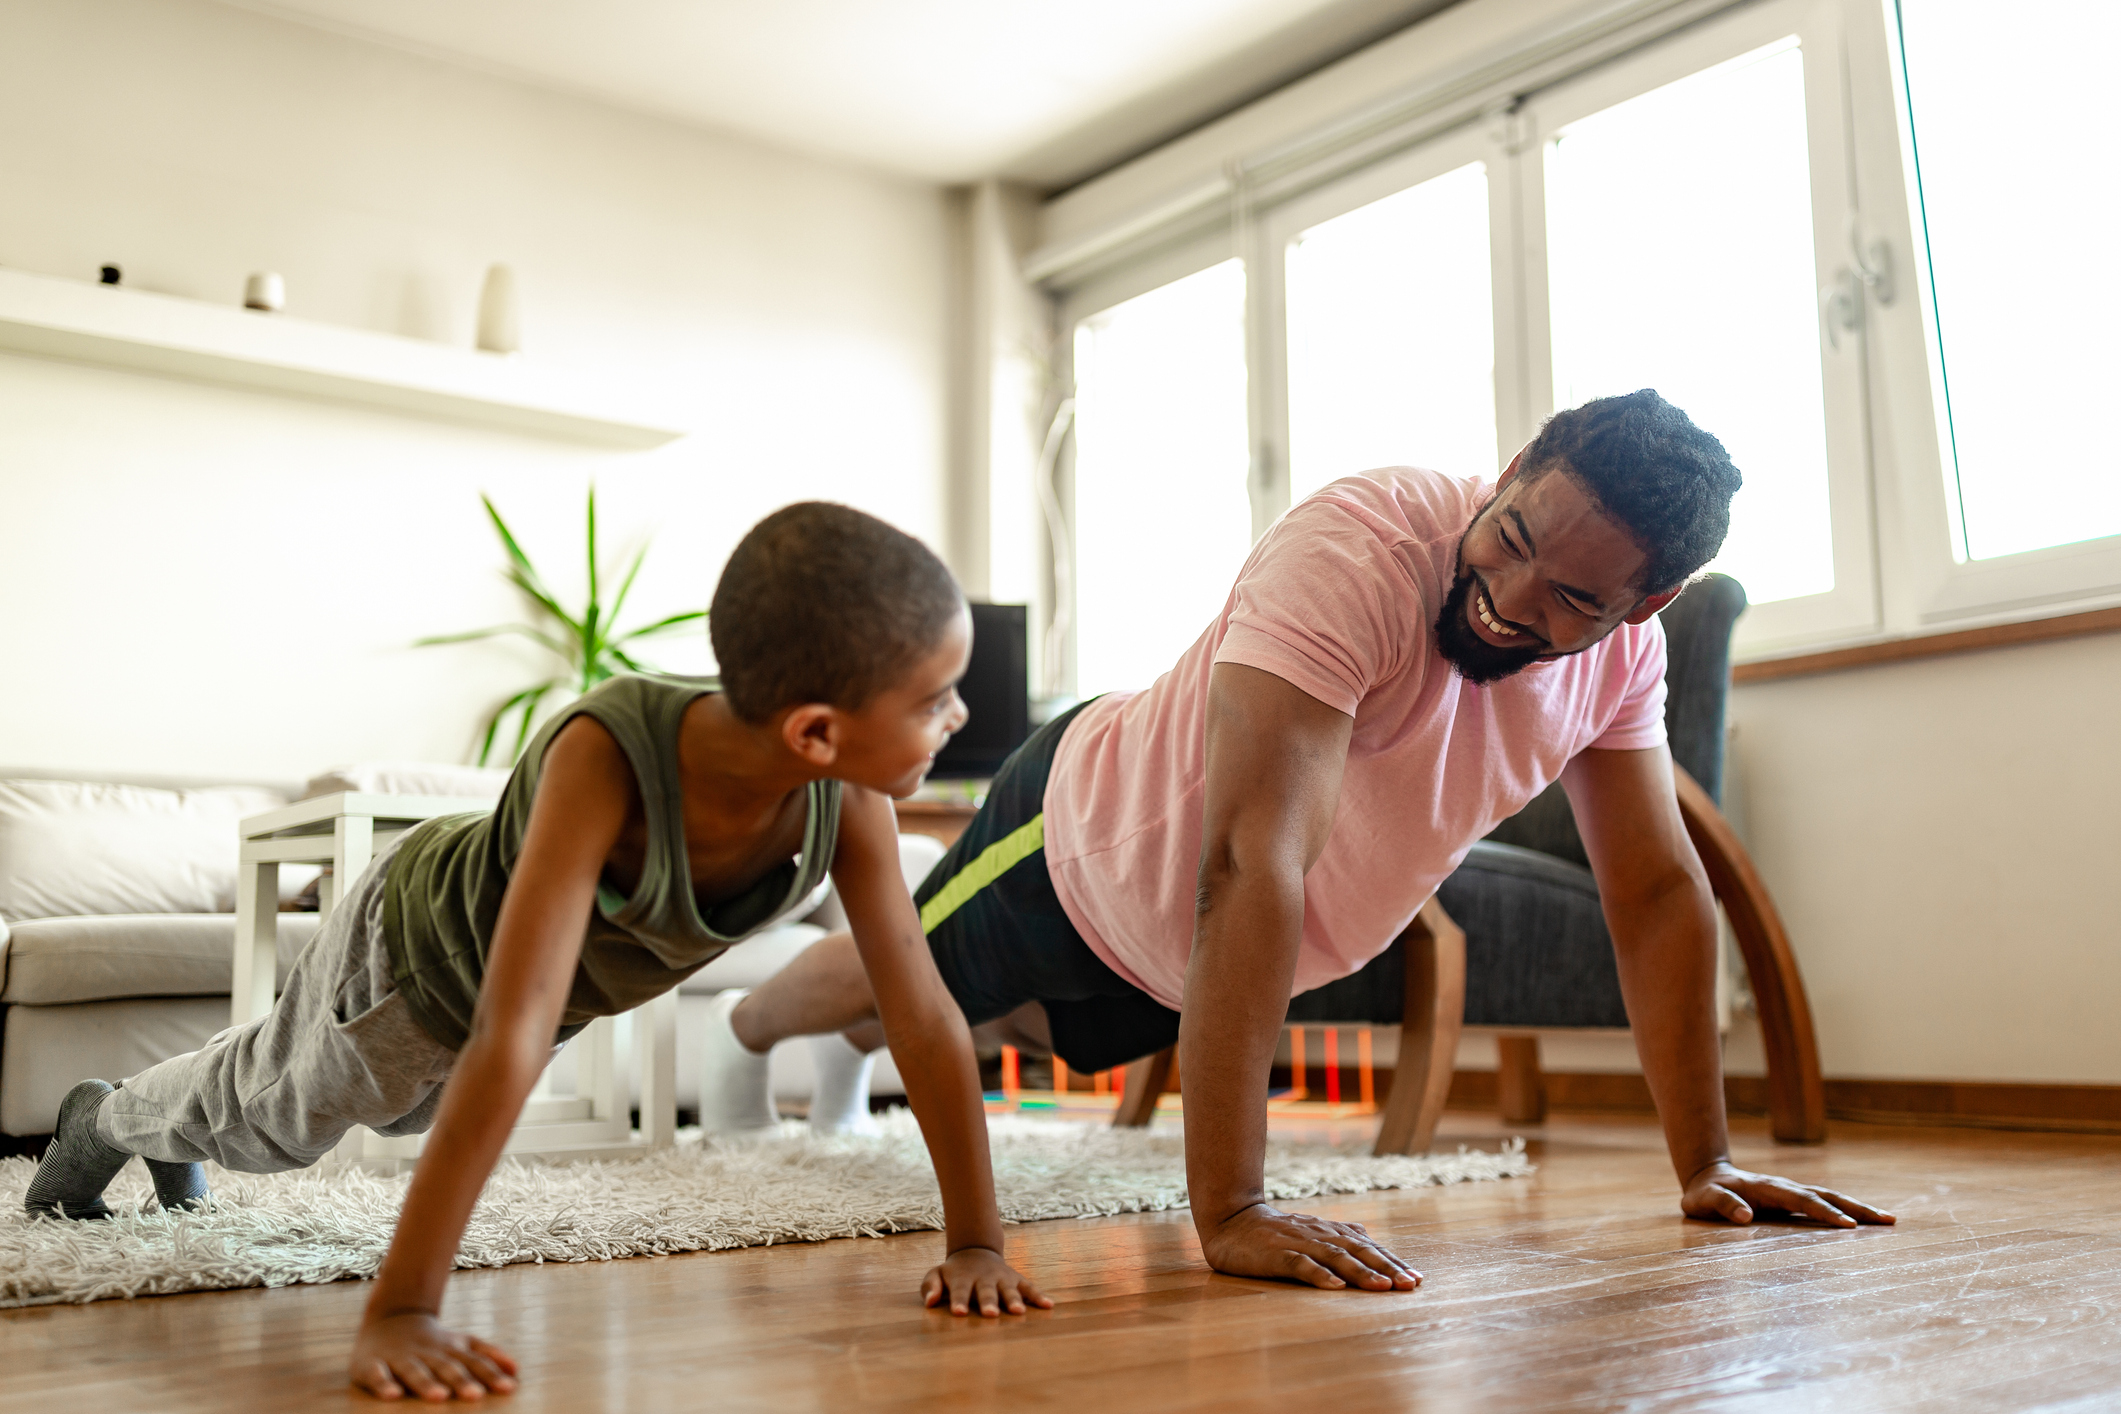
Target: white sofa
[117,931]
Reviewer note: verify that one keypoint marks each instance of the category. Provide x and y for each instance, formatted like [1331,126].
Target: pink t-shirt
[1338,599]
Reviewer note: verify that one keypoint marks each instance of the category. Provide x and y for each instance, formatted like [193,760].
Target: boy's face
[890,744]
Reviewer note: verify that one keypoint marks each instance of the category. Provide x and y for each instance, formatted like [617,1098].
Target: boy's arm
[584,791]
[933,1050]
[1662,916]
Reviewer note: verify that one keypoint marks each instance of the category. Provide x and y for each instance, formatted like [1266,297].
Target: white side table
[347,831]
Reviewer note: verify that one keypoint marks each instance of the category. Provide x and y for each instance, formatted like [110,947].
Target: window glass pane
[2019,201]
[1679,230]
[1391,336]
[1163,520]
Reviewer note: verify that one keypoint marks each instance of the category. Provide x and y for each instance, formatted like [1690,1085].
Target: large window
[2020,220]
[1679,250]
[1863,242]
[1391,336]
[1162,520]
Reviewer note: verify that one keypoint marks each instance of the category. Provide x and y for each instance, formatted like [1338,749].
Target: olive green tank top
[443,892]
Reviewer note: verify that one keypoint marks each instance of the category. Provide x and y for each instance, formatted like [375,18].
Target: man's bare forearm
[1667,957]
[1237,989]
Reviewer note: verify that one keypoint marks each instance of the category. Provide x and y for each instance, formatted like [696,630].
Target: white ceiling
[944,90]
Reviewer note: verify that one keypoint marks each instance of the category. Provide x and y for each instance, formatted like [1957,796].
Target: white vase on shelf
[500,327]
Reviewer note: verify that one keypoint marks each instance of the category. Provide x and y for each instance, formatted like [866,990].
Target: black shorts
[1000,937]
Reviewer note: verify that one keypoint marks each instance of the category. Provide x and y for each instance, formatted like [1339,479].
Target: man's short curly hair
[1649,467]
[822,603]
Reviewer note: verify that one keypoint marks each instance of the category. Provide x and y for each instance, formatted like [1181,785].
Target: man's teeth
[1480,606]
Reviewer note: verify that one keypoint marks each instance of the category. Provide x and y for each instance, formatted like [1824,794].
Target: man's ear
[812,731]
[1509,473]
[1648,608]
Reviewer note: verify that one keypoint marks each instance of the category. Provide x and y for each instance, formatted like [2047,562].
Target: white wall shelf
[152,333]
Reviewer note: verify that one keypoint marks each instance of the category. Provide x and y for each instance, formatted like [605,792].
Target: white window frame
[1851,607]
[1930,587]
[1899,570]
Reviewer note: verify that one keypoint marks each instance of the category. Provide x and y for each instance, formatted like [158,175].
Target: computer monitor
[997,692]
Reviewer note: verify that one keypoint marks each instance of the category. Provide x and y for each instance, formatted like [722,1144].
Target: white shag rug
[321,1225]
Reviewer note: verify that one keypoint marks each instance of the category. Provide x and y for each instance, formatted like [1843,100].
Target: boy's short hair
[1649,467]
[821,603]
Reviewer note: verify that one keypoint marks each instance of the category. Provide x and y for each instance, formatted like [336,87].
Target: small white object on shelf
[500,320]
[151,333]
[265,291]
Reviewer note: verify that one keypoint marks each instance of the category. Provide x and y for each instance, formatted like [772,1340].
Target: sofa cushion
[45,1051]
[78,847]
[55,961]
[752,961]
[409,778]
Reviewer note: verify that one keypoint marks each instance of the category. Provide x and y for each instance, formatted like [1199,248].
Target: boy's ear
[812,731]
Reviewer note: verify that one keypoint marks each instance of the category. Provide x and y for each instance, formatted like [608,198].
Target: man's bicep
[1275,758]
[1627,811]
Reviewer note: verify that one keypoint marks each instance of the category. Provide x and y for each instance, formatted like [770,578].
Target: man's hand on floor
[1261,1241]
[1729,1194]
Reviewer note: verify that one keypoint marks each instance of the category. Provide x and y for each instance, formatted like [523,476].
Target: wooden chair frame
[1435,949]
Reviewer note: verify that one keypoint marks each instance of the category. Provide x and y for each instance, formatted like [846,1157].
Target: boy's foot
[839,1104]
[736,1088]
[180,1186]
[79,1165]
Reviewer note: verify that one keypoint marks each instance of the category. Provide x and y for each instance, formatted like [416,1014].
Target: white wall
[200,580]
[1943,840]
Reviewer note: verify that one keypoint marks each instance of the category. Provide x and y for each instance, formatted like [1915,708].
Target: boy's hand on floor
[1722,1191]
[414,1354]
[973,1278]
[1262,1241]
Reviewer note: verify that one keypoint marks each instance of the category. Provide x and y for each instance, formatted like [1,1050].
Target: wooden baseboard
[2067,1109]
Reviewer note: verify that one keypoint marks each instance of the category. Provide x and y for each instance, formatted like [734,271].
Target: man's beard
[1472,657]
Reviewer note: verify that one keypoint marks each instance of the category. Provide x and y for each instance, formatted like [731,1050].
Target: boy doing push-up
[648,827]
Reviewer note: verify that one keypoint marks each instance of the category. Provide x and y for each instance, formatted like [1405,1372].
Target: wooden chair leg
[1145,1082]
[1520,1086]
[1796,1093]
[1435,950]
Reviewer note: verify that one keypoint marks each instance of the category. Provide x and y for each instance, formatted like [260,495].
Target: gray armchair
[1515,937]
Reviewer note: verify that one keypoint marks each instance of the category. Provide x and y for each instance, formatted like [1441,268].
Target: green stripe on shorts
[994,861]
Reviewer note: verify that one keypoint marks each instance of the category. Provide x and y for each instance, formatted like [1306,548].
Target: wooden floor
[1580,1288]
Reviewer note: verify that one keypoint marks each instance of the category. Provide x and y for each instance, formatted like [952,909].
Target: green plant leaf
[663,625]
[530,707]
[534,585]
[493,723]
[626,658]
[590,615]
[618,601]
[544,601]
[538,636]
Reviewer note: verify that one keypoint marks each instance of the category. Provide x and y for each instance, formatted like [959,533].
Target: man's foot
[180,1186]
[736,1088]
[839,1102]
[79,1165]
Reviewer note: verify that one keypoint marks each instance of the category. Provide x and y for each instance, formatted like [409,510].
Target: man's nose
[1511,595]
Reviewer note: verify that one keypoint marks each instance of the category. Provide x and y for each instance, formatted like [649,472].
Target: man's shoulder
[1404,502]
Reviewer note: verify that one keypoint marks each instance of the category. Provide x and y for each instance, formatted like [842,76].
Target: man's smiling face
[1542,573]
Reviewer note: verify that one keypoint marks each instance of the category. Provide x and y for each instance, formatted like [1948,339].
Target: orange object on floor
[1010,1080]
[1100,1081]
[1332,1065]
[1365,1078]
[1060,1076]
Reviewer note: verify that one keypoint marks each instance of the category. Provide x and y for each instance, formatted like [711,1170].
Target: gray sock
[79,1165]
[179,1185]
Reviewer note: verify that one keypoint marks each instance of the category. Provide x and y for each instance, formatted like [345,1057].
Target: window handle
[1841,303]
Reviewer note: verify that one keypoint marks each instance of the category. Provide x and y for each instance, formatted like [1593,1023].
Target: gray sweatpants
[339,1048]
